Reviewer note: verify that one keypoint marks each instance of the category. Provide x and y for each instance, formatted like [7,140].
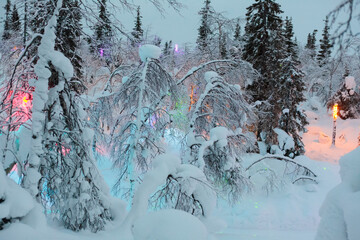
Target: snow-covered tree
[142,118]
[68,32]
[347,99]
[293,119]
[311,44]
[15,21]
[61,171]
[264,49]
[138,32]
[325,45]
[7,24]
[101,44]
[218,134]
[204,31]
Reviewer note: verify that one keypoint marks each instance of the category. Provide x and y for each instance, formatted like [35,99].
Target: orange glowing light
[335,111]
[25,100]
[192,100]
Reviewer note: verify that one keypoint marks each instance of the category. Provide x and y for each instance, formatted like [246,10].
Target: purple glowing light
[176,48]
[101,52]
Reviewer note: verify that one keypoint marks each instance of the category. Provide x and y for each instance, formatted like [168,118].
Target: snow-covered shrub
[165,224]
[15,202]
[340,212]
[270,173]
[286,145]
[218,134]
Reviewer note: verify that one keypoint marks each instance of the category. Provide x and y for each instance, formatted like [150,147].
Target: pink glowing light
[176,47]
[101,52]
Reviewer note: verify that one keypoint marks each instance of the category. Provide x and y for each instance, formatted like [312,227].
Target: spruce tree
[264,50]
[7,24]
[311,43]
[204,31]
[137,32]
[292,119]
[325,45]
[103,31]
[68,32]
[237,34]
[222,47]
[25,23]
[15,21]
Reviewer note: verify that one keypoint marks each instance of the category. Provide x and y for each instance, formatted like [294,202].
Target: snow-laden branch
[198,68]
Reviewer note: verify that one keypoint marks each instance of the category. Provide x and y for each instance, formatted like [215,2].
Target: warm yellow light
[335,111]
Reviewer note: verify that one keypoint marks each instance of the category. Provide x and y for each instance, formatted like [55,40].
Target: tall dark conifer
[264,49]
[292,119]
[7,24]
[103,31]
[15,21]
[138,32]
[325,45]
[204,31]
[222,47]
[237,34]
[311,43]
[68,32]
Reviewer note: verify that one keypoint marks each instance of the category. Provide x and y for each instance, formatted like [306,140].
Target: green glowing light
[324,168]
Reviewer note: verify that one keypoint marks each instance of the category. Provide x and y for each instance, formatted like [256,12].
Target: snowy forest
[109,132]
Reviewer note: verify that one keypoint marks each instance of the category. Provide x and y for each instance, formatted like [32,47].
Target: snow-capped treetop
[350,83]
[219,133]
[149,51]
[210,76]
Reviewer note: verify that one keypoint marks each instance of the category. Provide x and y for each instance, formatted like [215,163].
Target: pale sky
[181,28]
[307,15]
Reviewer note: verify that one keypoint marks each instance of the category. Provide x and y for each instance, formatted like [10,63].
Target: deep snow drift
[292,212]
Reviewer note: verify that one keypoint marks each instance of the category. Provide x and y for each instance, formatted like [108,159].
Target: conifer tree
[264,49]
[137,30]
[204,31]
[25,23]
[292,119]
[237,34]
[15,21]
[39,14]
[222,47]
[325,45]
[311,43]
[68,31]
[7,24]
[103,31]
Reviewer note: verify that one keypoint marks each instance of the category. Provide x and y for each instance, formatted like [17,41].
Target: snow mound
[210,76]
[340,212]
[350,83]
[169,224]
[149,51]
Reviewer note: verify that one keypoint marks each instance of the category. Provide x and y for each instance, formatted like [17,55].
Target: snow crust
[169,224]
[149,51]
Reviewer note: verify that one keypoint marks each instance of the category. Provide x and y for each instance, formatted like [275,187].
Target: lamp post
[335,113]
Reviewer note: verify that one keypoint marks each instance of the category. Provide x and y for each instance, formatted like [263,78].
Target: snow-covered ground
[292,213]
[319,136]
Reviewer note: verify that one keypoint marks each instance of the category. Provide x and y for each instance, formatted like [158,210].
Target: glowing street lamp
[335,115]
